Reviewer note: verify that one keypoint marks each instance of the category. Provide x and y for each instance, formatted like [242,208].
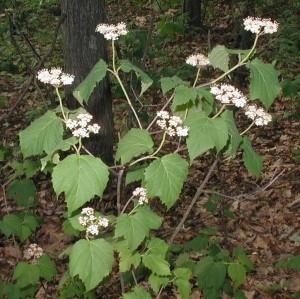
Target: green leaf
[264,84]
[133,144]
[154,258]
[138,293]
[22,225]
[157,246]
[42,135]
[168,83]
[237,273]
[211,293]
[134,228]
[80,178]
[30,223]
[92,261]
[210,274]
[47,267]
[11,225]
[165,177]
[156,263]
[235,137]
[127,67]
[31,168]
[252,160]
[207,100]
[183,94]
[197,244]
[157,282]
[136,173]
[127,257]
[23,191]
[205,133]
[292,263]
[83,91]
[219,58]
[26,274]
[182,281]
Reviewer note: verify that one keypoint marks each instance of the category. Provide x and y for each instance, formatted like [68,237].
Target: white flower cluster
[258,25]
[171,124]
[91,222]
[258,115]
[33,251]
[112,32]
[80,127]
[197,60]
[55,77]
[141,194]
[228,94]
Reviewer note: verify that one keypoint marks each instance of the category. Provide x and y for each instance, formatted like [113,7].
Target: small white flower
[227,94]
[55,77]
[182,131]
[162,123]
[103,222]
[71,124]
[112,32]
[175,121]
[94,128]
[33,251]
[83,220]
[258,25]
[163,114]
[258,115]
[198,60]
[141,194]
[93,230]
[81,132]
[87,211]
[171,131]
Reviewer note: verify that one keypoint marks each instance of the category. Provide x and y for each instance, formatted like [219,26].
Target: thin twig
[196,196]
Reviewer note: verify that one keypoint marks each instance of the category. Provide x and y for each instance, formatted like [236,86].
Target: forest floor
[266,210]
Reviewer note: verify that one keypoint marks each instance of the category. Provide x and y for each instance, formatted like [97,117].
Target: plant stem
[60,103]
[197,77]
[245,131]
[116,74]
[220,111]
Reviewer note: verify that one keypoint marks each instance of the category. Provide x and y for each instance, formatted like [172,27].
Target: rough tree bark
[82,49]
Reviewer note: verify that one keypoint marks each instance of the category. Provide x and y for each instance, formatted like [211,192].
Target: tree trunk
[194,9]
[82,48]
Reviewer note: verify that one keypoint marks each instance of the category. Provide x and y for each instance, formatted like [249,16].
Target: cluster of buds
[198,60]
[80,127]
[228,94]
[92,222]
[112,32]
[258,115]
[258,25]
[55,76]
[33,251]
[140,194]
[171,124]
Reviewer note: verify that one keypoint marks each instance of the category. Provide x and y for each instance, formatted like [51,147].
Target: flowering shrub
[201,121]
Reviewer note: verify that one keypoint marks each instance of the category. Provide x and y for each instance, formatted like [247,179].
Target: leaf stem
[245,131]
